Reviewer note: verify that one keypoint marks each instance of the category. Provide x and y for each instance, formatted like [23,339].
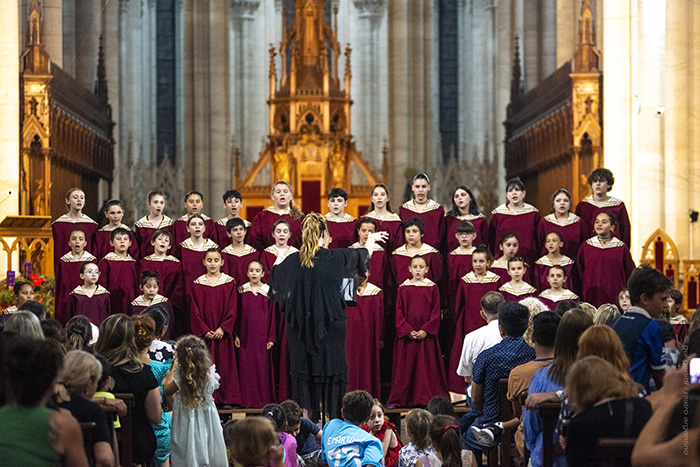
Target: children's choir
[211,276]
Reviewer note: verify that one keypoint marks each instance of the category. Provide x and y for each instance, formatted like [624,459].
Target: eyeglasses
[92,272]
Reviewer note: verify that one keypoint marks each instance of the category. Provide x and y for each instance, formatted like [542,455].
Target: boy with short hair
[344,443]
[601,180]
[233,202]
[414,229]
[68,272]
[119,272]
[238,254]
[641,336]
[679,322]
[341,226]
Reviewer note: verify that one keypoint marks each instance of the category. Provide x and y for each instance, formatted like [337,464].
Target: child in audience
[604,263]
[308,435]
[104,396]
[255,337]
[387,221]
[24,292]
[414,230]
[379,272]
[428,211]
[233,201]
[601,181]
[149,285]
[364,331]
[167,266]
[119,272]
[508,246]
[62,227]
[283,207]
[276,253]
[553,243]
[276,414]
[78,334]
[386,432]
[418,430]
[254,443]
[90,299]
[161,350]
[196,435]
[623,300]
[68,272]
[194,204]
[238,254]
[517,289]
[417,373]
[465,208]
[679,322]
[444,434]
[341,226]
[570,226]
[114,212]
[153,221]
[556,292]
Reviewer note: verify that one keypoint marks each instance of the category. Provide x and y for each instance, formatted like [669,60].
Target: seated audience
[418,423]
[444,435]
[25,324]
[254,443]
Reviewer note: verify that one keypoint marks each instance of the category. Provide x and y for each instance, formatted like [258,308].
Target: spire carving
[587,55]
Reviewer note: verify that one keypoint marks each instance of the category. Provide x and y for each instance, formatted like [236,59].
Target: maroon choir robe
[216,306]
[572,230]
[418,374]
[192,267]
[260,235]
[255,328]
[392,225]
[522,223]
[102,240]
[680,327]
[269,256]
[481,227]
[544,264]
[236,265]
[222,237]
[169,271]
[603,270]
[139,304]
[401,260]
[501,270]
[96,307]
[512,295]
[144,229]
[121,277]
[433,216]
[459,263]
[342,232]
[61,229]
[180,232]
[67,278]
[552,301]
[588,209]
[468,306]
[364,324]
[379,273]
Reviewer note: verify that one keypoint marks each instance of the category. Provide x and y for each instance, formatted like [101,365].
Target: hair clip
[451,426]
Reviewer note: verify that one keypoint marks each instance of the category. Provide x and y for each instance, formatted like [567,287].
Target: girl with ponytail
[283,207]
[444,434]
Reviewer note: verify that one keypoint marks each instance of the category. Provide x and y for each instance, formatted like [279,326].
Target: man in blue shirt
[495,363]
[641,336]
[344,443]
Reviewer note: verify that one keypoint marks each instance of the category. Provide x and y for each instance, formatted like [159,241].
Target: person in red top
[516,216]
[283,207]
[194,204]
[464,207]
[341,225]
[571,228]
[68,273]
[154,220]
[387,434]
[387,221]
[233,201]
[601,181]
[114,212]
[238,254]
[64,225]
[430,212]
[119,272]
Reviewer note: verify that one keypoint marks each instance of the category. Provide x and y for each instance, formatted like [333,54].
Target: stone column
[112,35]
[69,37]
[694,133]
[87,40]
[567,29]
[53,30]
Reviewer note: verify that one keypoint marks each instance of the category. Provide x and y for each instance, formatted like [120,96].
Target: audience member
[25,324]
[535,306]
[606,314]
[441,405]
[37,308]
[444,434]
[418,430]
[565,306]
[254,443]
[308,435]
[79,334]
[384,431]
[54,332]
[276,414]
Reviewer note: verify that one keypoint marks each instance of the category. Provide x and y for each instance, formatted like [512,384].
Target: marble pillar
[88,27]
[53,30]
[567,29]
[68,30]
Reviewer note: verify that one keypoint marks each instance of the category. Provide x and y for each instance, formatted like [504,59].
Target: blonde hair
[535,306]
[79,370]
[145,328]
[26,324]
[592,379]
[251,439]
[600,340]
[587,308]
[194,360]
[294,211]
[606,314]
[117,341]
[418,427]
[312,228]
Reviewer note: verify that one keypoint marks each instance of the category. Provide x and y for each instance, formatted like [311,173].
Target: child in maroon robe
[68,273]
[418,374]
[214,311]
[341,225]
[459,260]
[556,293]
[680,323]
[509,247]
[553,242]
[194,203]
[90,299]
[464,208]
[119,272]
[154,220]
[283,207]
[387,221]
[238,254]
[517,289]
[379,274]
[168,267]
[601,181]
[114,213]
[276,253]
[431,213]
[516,216]
[364,324]
[414,230]
[570,226]
[472,287]
[604,263]
[254,339]
[149,286]
[64,225]
[233,201]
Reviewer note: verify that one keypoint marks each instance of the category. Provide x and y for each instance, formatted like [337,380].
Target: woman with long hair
[283,207]
[386,219]
[464,207]
[307,285]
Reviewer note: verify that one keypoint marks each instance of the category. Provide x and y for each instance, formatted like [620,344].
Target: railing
[30,236]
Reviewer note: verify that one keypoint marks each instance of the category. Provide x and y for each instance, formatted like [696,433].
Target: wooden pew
[395,416]
[125,433]
[549,413]
[612,450]
[89,430]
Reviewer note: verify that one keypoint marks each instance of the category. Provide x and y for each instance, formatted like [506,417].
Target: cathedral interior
[119,96]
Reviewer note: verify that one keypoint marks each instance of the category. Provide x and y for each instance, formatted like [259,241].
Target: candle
[10,279]
[27,268]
